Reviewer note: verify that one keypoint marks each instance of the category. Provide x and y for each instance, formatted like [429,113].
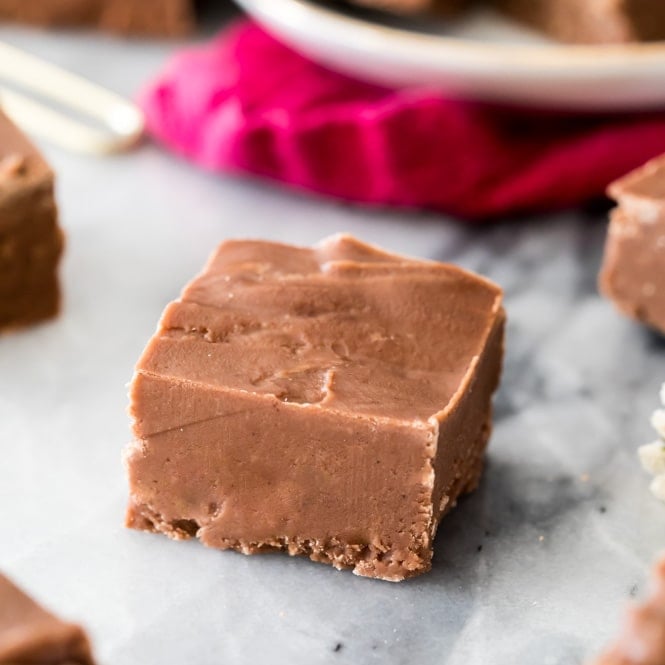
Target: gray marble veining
[533,569]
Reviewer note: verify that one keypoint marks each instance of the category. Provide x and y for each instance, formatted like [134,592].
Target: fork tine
[122,121]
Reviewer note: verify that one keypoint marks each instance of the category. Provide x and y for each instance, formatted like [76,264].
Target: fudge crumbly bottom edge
[366,560]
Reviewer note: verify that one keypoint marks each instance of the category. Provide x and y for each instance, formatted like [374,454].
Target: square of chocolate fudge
[633,272]
[144,17]
[591,21]
[29,635]
[332,402]
[31,241]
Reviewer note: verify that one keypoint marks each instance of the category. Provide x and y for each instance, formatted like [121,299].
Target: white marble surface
[564,516]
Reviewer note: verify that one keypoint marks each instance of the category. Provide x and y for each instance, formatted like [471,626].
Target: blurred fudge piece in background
[31,241]
[592,21]
[29,635]
[140,17]
[633,273]
[446,7]
[642,639]
[582,21]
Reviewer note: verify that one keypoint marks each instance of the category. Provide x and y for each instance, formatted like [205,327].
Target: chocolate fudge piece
[30,240]
[396,6]
[592,21]
[642,639]
[333,402]
[633,273]
[29,635]
[145,17]
[442,7]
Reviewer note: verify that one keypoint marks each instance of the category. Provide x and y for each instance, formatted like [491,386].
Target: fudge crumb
[652,456]
[338,647]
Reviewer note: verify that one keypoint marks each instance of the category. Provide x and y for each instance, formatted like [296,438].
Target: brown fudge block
[633,273]
[29,635]
[333,402]
[642,638]
[146,17]
[442,7]
[30,240]
[592,21]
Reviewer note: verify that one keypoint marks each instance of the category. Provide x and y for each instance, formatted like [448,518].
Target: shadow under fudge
[333,402]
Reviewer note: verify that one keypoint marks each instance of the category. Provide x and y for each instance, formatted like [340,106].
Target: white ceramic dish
[481,56]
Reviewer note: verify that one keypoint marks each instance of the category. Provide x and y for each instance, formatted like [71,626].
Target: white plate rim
[575,60]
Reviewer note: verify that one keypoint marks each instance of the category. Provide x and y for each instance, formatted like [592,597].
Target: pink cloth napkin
[247,103]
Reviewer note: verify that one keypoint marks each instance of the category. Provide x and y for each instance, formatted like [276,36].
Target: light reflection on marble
[533,569]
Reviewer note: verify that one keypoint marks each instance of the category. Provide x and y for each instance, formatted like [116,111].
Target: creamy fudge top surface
[21,164]
[343,326]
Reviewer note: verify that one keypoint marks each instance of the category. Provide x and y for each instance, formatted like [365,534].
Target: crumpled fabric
[246,103]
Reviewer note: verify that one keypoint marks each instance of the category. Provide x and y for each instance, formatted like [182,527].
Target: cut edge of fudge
[642,637]
[631,275]
[31,241]
[434,453]
[31,634]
